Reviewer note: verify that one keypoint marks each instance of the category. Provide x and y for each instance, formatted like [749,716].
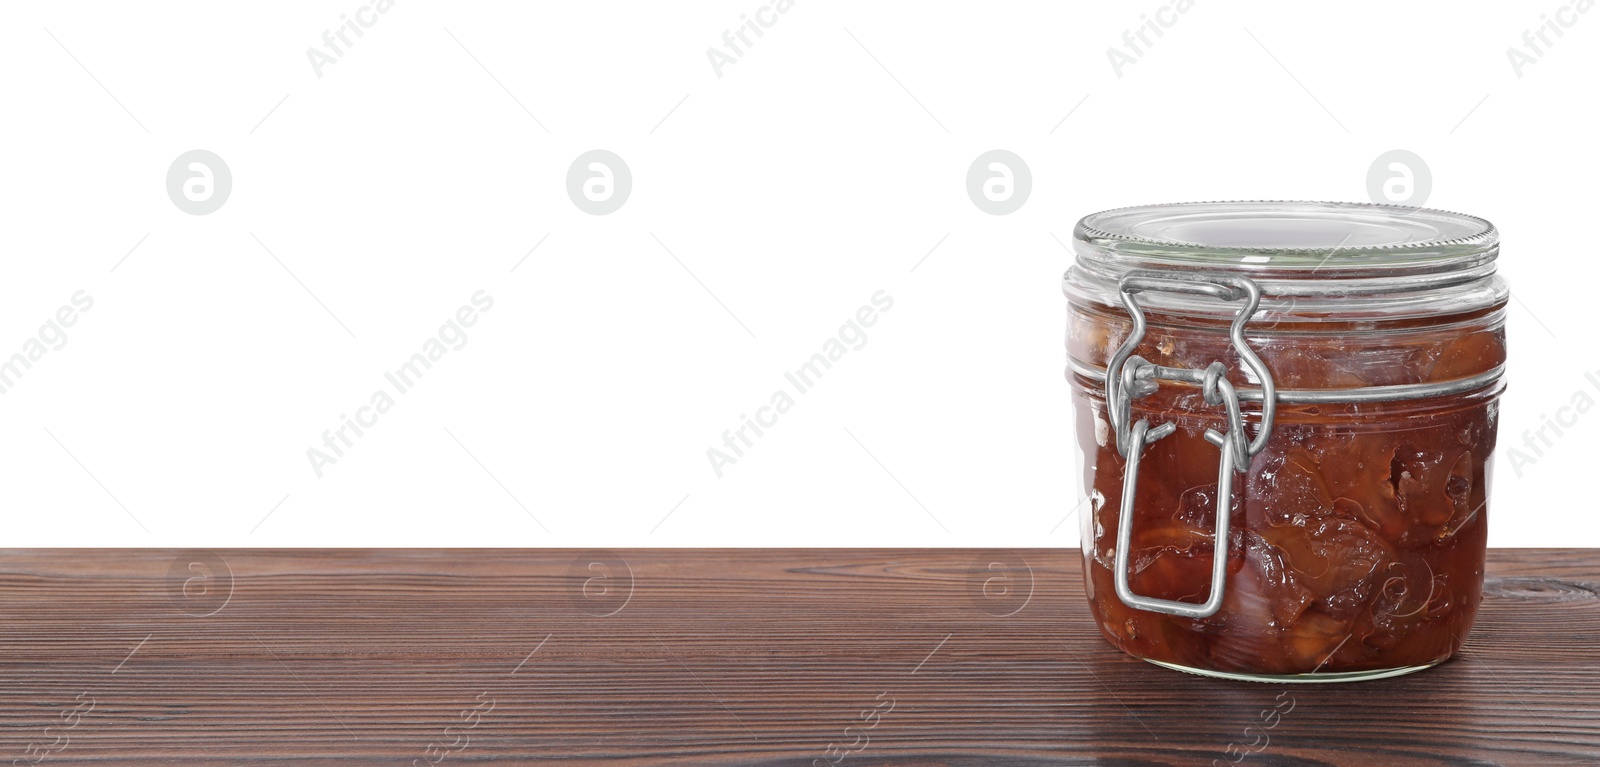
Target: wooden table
[719,657]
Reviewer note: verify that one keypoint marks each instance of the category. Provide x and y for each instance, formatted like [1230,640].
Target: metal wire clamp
[1129,377]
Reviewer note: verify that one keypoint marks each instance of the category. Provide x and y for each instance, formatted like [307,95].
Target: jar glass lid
[1383,259]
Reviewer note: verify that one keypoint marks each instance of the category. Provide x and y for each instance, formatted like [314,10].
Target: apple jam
[1365,373]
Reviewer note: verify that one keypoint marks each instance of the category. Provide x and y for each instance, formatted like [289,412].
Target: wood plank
[719,657]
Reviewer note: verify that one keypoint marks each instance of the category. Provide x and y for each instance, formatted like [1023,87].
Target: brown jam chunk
[1357,536]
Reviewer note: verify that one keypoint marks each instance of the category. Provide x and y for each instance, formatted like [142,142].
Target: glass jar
[1327,372]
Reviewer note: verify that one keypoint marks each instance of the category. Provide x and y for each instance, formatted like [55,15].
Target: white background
[793,187]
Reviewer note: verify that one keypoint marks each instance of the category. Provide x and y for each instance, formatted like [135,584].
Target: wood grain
[719,657]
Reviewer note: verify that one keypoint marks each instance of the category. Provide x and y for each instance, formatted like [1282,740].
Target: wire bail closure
[1129,377]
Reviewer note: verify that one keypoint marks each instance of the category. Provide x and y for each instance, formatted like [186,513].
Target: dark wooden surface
[719,657]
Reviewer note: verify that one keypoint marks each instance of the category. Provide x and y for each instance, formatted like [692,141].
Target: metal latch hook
[1129,377]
